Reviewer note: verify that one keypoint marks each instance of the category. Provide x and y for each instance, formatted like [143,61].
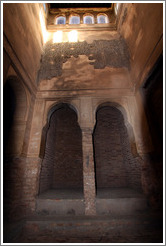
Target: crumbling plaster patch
[101,54]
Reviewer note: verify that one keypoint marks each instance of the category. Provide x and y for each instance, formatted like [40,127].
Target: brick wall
[115,165]
[13,173]
[62,166]
[20,177]
[46,174]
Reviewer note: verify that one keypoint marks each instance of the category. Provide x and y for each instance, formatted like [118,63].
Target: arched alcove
[62,165]
[9,106]
[15,108]
[15,113]
[115,165]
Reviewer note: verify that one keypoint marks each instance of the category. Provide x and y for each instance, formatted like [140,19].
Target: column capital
[87,129]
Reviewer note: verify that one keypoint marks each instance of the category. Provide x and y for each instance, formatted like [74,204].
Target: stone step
[141,228]
[120,206]
[60,206]
[113,206]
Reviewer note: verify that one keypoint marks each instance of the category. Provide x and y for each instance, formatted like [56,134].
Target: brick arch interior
[115,165]
[62,165]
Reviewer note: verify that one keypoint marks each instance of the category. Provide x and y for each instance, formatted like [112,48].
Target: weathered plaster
[101,53]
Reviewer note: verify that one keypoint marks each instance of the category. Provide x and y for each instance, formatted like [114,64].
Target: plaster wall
[22,30]
[139,23]
[78,74]
[6,65]
[18,100]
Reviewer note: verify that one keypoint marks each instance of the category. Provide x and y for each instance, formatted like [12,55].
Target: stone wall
[46,174]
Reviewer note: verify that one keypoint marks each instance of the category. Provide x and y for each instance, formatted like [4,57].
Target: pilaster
[88,172]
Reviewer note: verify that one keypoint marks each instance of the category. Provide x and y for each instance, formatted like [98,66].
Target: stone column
[67,18]
[81,19]
[95,18]
[32,161]
[88,172]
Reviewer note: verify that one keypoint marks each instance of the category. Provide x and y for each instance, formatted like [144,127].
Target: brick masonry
[62,165]
[20,186]
[115,165]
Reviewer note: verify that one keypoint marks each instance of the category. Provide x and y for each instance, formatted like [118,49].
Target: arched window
[101,19]
[74,20]
[61,20]
[88,19]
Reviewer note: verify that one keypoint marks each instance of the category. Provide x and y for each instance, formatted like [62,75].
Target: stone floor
[142,226]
